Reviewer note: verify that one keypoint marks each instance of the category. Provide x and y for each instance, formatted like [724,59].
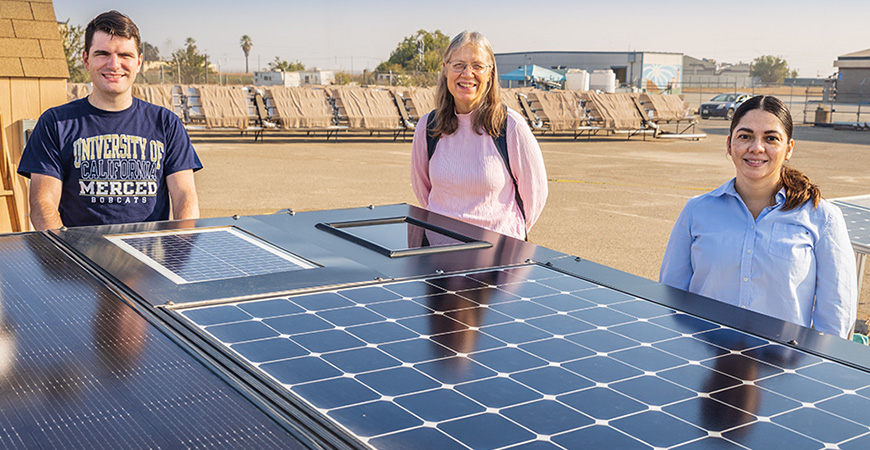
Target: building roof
[860,54]
[30,43]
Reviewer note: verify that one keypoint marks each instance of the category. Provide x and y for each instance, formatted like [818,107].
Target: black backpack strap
[431,141]
[501,145]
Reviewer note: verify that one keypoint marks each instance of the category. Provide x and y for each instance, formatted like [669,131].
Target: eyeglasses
[459,67]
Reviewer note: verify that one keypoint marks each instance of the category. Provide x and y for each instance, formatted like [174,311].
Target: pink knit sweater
[467,178]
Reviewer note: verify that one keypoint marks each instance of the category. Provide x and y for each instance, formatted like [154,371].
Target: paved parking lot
[611,200]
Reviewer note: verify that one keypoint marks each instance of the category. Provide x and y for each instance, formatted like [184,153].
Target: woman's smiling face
[468,87]
[759,146]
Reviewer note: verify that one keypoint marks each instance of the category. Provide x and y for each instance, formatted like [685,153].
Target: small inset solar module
[207,254]
[534,358]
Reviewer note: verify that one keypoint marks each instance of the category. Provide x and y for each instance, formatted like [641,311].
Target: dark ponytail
[798,187]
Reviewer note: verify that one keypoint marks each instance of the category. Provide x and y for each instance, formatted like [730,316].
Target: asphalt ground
[612,200]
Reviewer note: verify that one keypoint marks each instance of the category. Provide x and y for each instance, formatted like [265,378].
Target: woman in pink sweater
[467,178]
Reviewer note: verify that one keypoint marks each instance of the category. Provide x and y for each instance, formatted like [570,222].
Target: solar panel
[858,222]
[530,357]
[79,368]
[207,254]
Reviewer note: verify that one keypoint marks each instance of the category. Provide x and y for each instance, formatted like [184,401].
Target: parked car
[723,105]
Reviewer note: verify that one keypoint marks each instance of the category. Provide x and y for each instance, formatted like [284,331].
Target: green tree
[769,69]
[189,65]
[73,38]
[150,52]
[280,65]
[246,43]
[407,55]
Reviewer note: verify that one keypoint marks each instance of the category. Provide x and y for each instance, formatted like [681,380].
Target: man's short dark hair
[115,24]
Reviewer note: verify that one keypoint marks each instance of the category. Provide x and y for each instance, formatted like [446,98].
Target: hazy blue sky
[354,35]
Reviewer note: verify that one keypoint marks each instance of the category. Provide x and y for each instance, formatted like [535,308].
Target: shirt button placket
[746,267]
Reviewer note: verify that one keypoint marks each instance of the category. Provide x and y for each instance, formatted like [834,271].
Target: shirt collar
[729,189]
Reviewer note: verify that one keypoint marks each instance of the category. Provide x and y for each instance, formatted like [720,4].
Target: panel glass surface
[857,221]
[528,357]
[80,369]
[208,254]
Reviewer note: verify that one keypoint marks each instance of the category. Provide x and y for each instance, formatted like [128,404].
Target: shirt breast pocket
[791,242]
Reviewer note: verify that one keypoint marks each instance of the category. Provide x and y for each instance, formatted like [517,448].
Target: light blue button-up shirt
[795,265]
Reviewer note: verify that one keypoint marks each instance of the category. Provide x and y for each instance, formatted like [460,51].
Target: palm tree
[246,44]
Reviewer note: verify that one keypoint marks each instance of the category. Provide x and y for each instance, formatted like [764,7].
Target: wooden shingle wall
[33,75]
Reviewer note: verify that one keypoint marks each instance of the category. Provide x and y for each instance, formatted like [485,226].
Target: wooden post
[9,189]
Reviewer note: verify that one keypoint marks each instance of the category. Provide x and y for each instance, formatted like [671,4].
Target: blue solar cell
[300,370]
[270,308]
[318,302]
[371,419]
[799,387]
[599,436]
[730,339]
[742,367]
[644,332]
[416,438]
[642,309]
[522,310]
[508,360]
[653,390]
[769,435]
[556,350]
[382,332]
[647,427]
[346,317]
[467,341]
[440,405]
[714,416]
[241,331]
[411,289]
[397,381]
[445,302]
[851,406]
[489,296]
[498,392]
[819,424]
[297,323]
[479,317]
[486,431]
[552,380]
[399,309]
[749,398]
[567,284]
[838,375]
[417,350]
[369,295]
[547,417]
[217,315]
[603,296]
[602,340]
[456,283]
[328,341]
[648,359]
[454,370]
[690,348]
[335,393]
[361,360]
[516,333]
[266,350]
[602,403]
[563,302]
[602,369]
[602,316]
[699,378]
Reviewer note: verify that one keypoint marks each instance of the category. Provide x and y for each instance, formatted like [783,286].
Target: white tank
[603,80]
[577,80]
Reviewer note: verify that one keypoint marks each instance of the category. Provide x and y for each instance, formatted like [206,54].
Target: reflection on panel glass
[529,357]
[402,236]
[208,254]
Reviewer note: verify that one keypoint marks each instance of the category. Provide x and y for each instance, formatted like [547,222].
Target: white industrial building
[641,71]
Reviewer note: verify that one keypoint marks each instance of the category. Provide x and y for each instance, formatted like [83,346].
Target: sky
[356,35]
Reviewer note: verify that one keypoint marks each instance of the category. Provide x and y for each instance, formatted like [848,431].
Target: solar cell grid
[423,362]
[193,256]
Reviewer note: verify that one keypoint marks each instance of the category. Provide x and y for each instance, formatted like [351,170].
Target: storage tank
[603,80]
[577,80]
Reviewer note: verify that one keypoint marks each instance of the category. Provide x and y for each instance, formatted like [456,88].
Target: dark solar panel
[208,254]
[79,368]
[534,358]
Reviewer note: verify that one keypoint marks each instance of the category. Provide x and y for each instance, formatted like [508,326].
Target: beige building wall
[33,75]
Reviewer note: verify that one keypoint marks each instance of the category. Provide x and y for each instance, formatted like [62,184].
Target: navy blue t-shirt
[113,164]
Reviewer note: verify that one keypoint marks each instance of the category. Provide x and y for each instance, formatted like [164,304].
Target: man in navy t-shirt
[109,158]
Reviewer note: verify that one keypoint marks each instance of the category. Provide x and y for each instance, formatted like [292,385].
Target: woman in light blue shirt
[766,240]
